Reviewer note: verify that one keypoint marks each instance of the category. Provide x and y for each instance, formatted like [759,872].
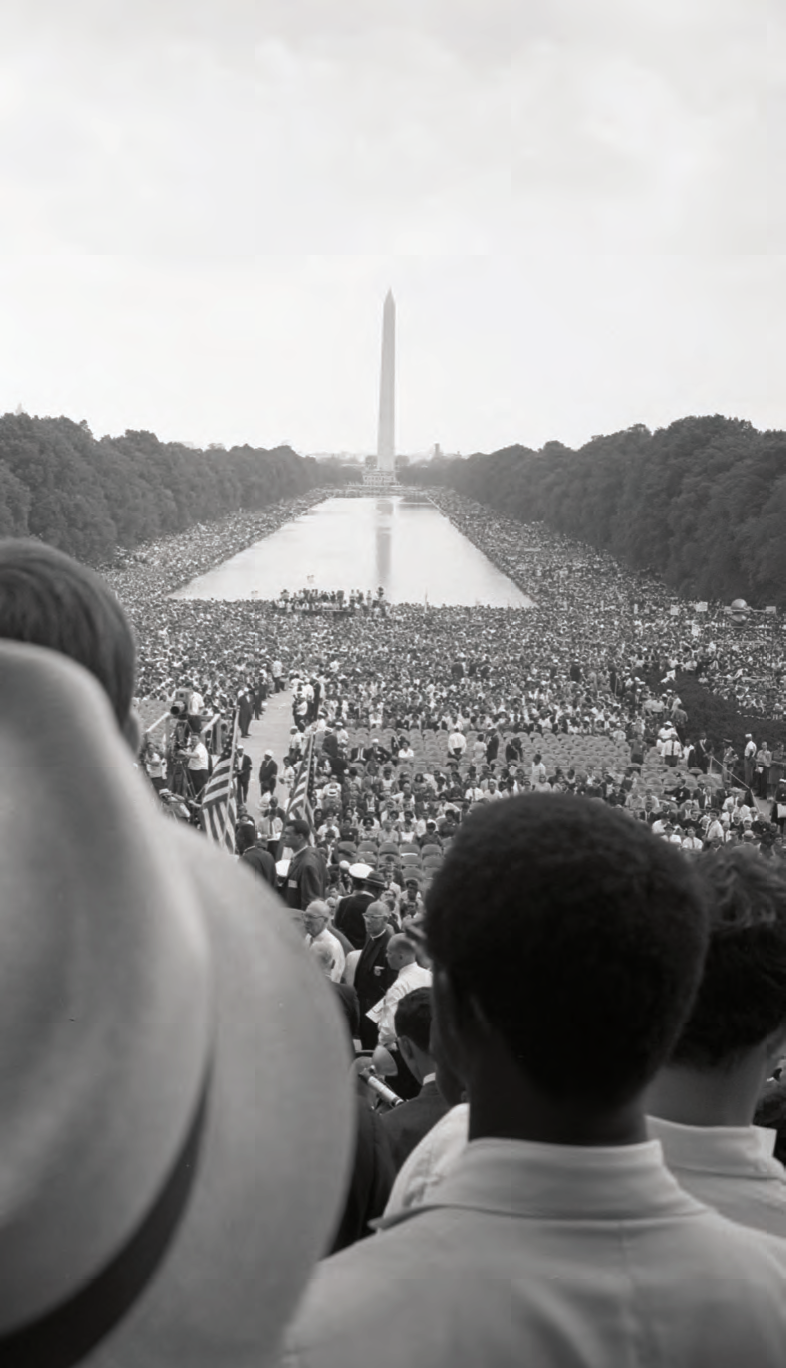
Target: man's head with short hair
[741,1002]
[375,917]
[590,938]
[316,917]
[48,599]
[245,834]
[414,1025]
[400,952]
[413,1018]
[296,833]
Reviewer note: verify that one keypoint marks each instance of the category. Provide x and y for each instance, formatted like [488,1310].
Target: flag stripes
[219,797]
[299,804]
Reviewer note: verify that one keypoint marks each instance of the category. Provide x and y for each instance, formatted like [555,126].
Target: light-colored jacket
[555,1257]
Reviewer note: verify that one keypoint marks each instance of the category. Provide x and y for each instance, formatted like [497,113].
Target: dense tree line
[702,502]
[91,496]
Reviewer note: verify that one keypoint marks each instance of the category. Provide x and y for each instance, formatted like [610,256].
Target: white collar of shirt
[429,1078]
[740,1150]
[413,970]
[563,1182]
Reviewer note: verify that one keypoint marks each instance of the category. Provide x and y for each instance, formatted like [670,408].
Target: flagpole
[235,723]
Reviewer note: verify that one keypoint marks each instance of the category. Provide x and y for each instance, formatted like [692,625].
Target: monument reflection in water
[408,548]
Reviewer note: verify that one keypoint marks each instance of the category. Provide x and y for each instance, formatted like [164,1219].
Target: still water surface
[408,548]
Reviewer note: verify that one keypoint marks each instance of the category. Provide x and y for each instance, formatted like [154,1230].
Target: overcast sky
[580,206]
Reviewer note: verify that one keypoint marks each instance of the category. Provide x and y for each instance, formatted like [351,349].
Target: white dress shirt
[730,1168]
[336,949]
[553,1256]
[384,1012]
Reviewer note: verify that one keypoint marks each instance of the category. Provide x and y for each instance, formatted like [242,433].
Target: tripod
[181,781]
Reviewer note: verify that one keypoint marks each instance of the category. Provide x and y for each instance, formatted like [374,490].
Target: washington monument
[386,444]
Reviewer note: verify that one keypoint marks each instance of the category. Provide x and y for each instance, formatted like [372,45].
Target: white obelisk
[386,444]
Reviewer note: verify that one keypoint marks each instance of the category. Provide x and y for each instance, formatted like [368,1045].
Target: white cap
[360,871]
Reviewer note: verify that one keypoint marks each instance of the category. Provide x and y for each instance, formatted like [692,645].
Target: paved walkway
[271,732]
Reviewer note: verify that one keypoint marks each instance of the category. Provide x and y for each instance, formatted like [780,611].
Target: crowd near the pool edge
[478,1062]
[514,682]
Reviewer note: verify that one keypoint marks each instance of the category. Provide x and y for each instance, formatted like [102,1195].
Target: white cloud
[210,198]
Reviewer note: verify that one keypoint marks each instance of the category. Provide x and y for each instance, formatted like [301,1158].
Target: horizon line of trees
[701,503]
[90,496]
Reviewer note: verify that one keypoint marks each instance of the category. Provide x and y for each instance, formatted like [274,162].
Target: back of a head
[413,1018]
[580,935]
[245,836]
[742,996]
[401,943]
[48,599]
[299,827]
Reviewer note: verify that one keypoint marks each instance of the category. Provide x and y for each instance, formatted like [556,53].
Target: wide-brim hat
[174,1110]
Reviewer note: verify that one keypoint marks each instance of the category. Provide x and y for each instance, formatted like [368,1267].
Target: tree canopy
[91,496]
[702,503]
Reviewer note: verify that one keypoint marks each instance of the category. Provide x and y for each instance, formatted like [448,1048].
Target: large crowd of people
[513,1120]
[589,612]
[586,678]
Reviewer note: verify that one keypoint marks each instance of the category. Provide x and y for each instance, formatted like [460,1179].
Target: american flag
[219,797]
[299,804]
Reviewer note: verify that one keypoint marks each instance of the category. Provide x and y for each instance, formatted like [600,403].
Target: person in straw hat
[174,1118]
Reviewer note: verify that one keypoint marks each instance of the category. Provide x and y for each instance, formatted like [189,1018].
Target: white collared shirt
[384,1012]
[557,1255]
[430,1161]
[326,937]
[731,1168]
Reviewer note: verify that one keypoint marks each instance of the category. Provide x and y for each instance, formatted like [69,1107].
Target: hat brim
[267,1195]
[267,1184]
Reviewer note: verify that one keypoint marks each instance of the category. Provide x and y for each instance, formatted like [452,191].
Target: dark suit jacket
[348,917]
[370,1181]
[262,863]
[305,880]
[406,1125]
[373,975]
[348,1000]
[330,745]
